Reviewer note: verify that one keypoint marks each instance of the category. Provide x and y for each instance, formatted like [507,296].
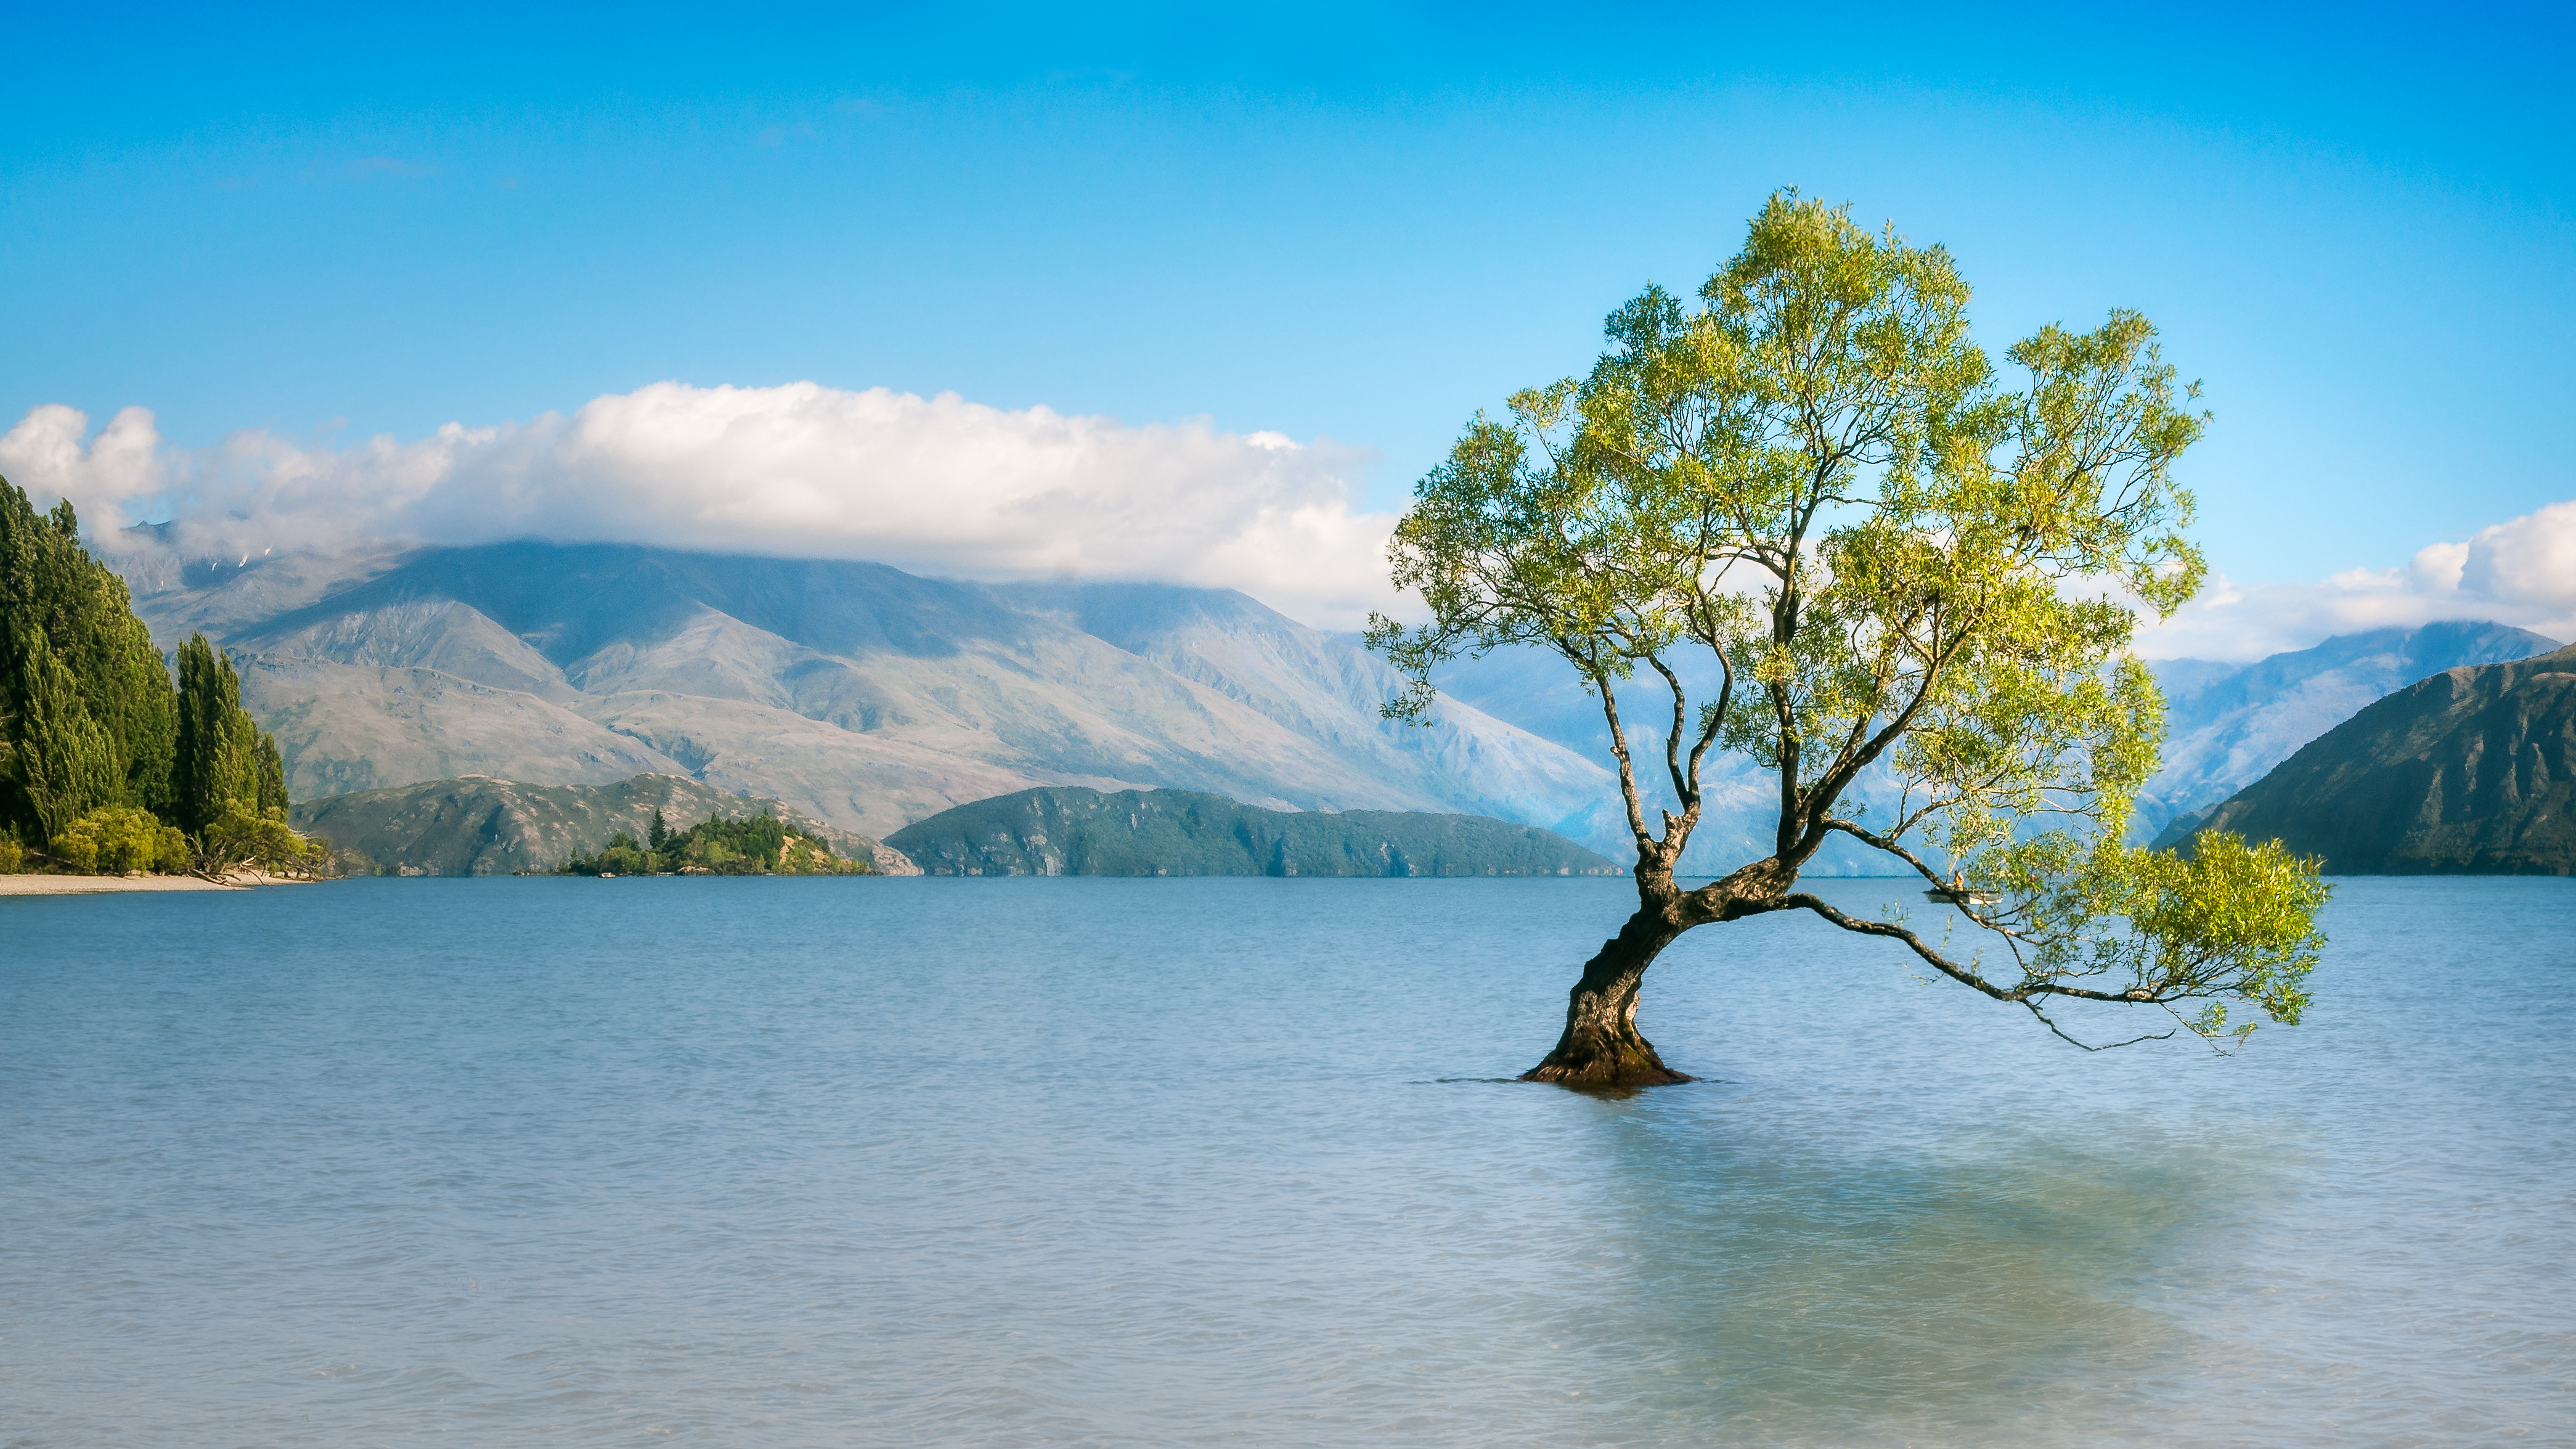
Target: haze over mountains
[868,698]
[2471,771]
[856,693]
[2227,726]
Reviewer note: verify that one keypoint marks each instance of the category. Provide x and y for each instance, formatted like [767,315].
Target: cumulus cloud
[51,455]
[937,485]
[945,486]
[2518,572]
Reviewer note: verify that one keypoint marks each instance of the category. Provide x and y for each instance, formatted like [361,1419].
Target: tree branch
[1802,901]
[1682,788]
[1618,747]
[1892,847]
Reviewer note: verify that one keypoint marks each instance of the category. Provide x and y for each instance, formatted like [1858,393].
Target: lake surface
[787,1162]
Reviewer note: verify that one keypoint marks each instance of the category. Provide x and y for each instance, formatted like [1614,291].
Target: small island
[761,845]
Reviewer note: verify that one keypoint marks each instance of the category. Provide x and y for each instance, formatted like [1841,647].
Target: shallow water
[752,1162]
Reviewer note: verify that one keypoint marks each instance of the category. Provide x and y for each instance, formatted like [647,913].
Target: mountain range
[867,698]
[859,695]
[2226,725]
[2471,771]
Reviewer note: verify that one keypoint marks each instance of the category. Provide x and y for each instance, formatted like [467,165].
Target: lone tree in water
[1843,547]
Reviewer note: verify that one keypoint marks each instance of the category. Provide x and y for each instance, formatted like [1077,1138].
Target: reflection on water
[1020,1162]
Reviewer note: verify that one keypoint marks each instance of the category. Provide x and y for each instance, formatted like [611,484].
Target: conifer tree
[88,717]
[58,756]
[52,592]
[208,767]
[272,775]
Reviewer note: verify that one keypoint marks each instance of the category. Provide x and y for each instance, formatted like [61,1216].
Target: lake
[789,1162]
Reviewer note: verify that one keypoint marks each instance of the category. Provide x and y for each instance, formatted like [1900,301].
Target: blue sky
[1358,224]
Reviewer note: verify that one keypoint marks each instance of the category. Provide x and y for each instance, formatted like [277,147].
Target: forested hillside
[1076,831]
[104,765]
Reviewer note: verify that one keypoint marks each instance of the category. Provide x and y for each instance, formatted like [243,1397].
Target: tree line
[106,763]
[761,845]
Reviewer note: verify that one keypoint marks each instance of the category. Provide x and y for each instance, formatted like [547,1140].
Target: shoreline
[98,885]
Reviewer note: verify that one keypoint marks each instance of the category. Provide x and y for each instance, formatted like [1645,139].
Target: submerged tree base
[1607,1074]
[1602,1050]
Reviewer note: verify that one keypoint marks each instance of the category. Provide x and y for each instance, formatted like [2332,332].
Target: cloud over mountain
[946,486]
[937,484]
[2520,572]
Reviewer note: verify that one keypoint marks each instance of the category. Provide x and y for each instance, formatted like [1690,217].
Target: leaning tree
[1811,516]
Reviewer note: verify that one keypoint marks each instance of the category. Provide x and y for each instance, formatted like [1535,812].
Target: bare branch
[1805,902]
[1892,847]
[2045,1021]
[1618,746]
[1683,789]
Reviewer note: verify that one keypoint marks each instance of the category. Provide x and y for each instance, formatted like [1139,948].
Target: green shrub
[13,856]
[117,839]
[245,836]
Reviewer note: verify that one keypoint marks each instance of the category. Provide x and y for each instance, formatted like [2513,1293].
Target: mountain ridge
[478,825]
[2470,771]
[1075,831]
[859,694]
[2227,727]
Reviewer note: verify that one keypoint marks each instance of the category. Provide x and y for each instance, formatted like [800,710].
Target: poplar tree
[218,749]
[58,603]
[1820,522]
[60,758]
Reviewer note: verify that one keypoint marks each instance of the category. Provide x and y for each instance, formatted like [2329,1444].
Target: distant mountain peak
[2469,770]
[858,693]
[2226,726]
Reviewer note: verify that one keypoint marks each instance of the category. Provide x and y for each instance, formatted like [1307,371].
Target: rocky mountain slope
[482,826]
[2228,725]
[1074,831]
[2472,771]
[857,694]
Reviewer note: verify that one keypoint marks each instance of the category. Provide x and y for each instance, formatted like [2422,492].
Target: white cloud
[51,455]
[945,486]
[937,485]
[2518,572]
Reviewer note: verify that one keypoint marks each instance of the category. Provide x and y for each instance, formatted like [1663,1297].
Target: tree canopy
[94,739]
[761,844]
[1838,540]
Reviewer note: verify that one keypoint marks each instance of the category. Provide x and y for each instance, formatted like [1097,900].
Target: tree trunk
[1601,1047]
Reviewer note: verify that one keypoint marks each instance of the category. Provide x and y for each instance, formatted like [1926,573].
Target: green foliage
[120,838]
[13,856]
[272,772]
[61,761]
[89,719]
[761,845]
[106,734]
[244,835]
[1840,540]
[221,753]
